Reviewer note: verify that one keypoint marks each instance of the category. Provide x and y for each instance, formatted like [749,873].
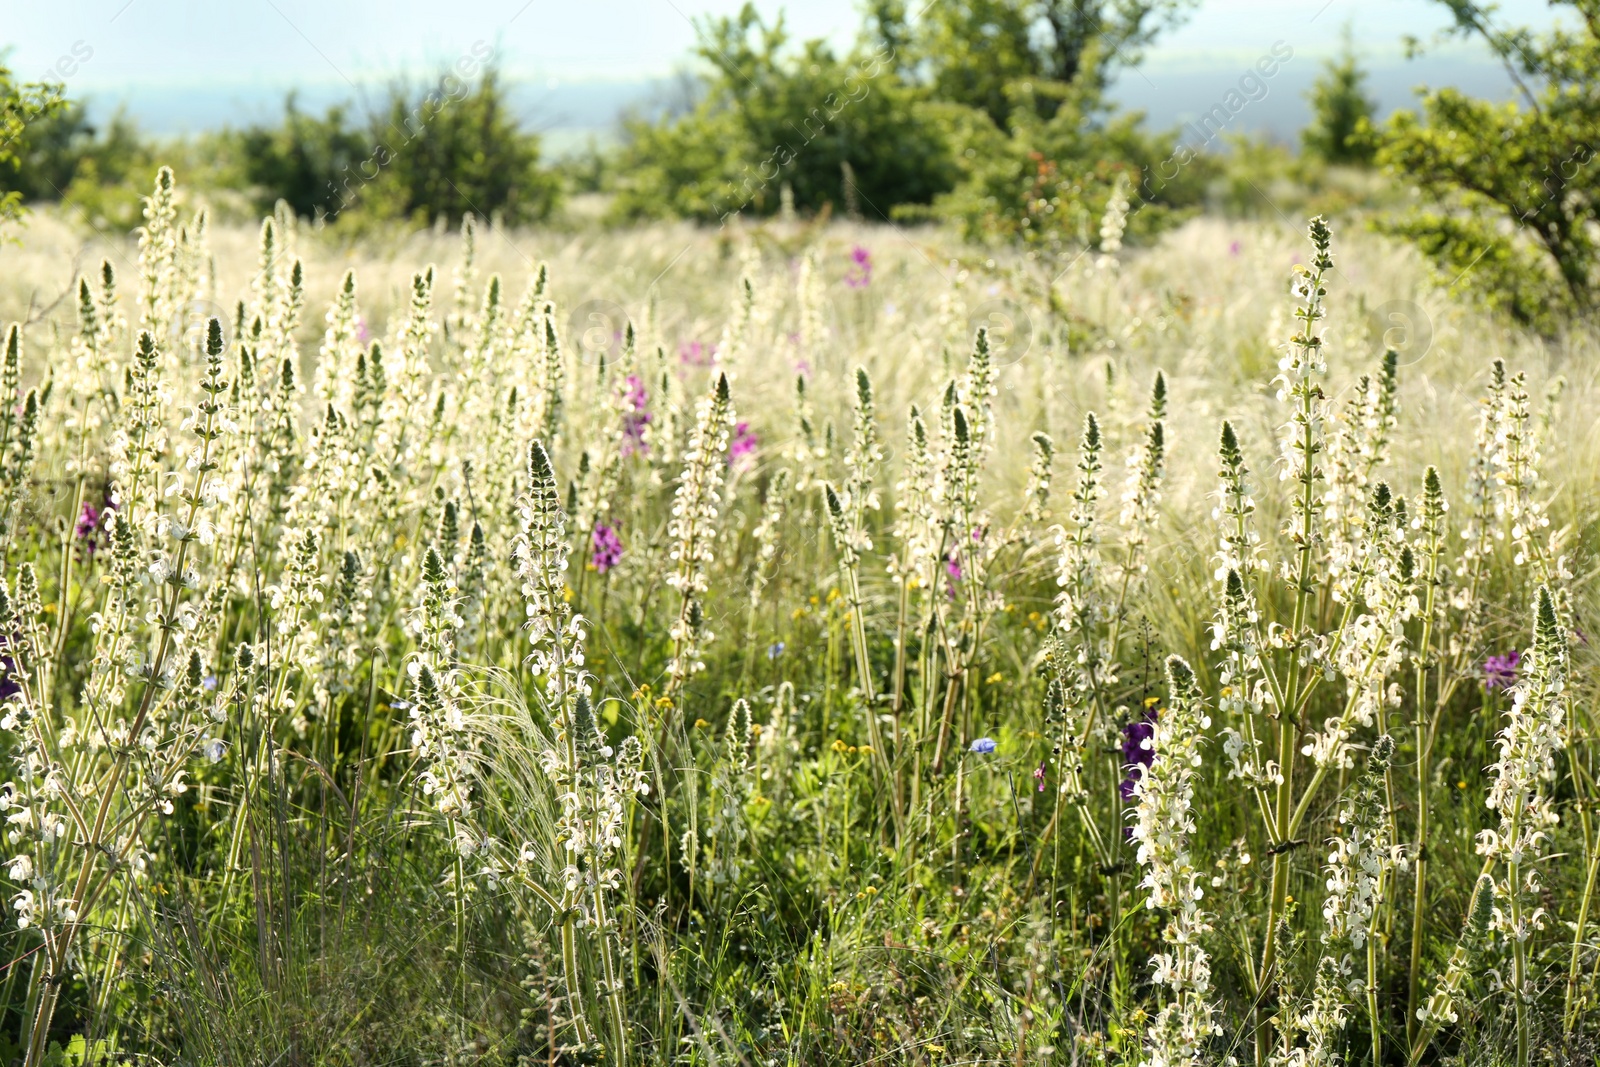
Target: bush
[831,128]
[446,150]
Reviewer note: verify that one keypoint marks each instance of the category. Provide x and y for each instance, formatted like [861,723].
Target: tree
[1514,201]
[972,49]
[301,159]
[1341,129]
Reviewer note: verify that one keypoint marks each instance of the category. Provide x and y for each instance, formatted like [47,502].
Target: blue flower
[776,649]
[984,745]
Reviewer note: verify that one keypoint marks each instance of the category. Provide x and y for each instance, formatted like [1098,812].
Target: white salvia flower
[1036,497]
[693,528]
[1441,1006]
[1533,735]
[1079,609]
[1114,223]
[1181,1031]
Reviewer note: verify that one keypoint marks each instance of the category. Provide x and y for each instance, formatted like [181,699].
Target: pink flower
[635,420]
[696,353]
[859,276]
[742,449]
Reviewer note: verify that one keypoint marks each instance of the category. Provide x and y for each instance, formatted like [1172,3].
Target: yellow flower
[799,613]
[872,890]
[566,594]
[755,729]
[996,678]
[864,750]
[839,745]
[1033,616]
[700,724]
[815,601]
[663,703]
[833,594]
[1151,702]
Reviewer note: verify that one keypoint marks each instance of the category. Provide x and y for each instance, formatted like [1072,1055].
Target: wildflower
[1038,775]
[859,276]
[635,418]
[1137,749]
[775,649]
[607,548]
[742,447]
[1233,248]
[984,746]
[1165,792]
[1501,671]
[696,353]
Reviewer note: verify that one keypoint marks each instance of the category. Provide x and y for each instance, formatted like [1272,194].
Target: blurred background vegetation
[989,115]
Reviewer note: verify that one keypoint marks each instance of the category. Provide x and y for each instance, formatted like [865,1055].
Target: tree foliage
[1514,199]
[1341,129]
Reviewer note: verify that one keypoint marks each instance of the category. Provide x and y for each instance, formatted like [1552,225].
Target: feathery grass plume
[1163,825]
[693,530]
[1533,735]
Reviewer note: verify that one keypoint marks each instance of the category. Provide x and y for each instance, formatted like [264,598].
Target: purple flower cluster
[859,276]
[636,420]
[607,548]
[742,448]
[1500,672]
[1138,750]
[87,528]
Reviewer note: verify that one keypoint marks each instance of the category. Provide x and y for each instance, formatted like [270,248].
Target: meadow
[789,643]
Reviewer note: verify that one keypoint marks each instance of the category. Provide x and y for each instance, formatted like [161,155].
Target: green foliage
[300,159]
[447,153]
[835,129]
[1341,129]
[444,149]
[1515,202]
[22,105]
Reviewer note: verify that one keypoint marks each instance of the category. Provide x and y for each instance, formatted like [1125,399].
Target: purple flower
[1138,752]
[362,333]
[607,548]
[696,353]
[1233,249]
[1038,775]
[89,522]
[637,419]
[802,367]
[984,746]
[743,446]
[775,649]
[859,276]
[1501,671]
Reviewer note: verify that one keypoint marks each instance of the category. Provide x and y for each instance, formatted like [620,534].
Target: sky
[182,65]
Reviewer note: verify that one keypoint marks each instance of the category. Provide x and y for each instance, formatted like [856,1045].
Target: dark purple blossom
[1500,672]
[1138,750]
[607,548]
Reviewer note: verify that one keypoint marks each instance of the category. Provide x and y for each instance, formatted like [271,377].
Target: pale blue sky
[208,61]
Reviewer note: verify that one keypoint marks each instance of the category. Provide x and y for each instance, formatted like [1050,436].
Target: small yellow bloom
[664,703]
[1151,702]
[755,729]
[1033,616]
[839,745]
[1461,785]
[833,594]
[996,678]
[566,593]
[799,613]
[815,601]
[399,540]
[700,724]
[865,750]
[872,890]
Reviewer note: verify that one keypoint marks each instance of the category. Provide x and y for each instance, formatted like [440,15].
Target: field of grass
[790,644]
